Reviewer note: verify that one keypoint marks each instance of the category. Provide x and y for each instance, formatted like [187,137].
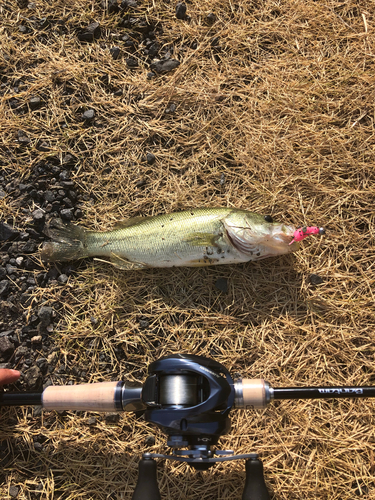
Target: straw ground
[270,109]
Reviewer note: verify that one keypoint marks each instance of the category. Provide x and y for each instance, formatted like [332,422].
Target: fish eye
[268,218]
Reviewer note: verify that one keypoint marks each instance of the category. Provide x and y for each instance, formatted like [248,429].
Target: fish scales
[196,237]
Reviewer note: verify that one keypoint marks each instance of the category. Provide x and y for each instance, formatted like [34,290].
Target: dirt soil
[111,110]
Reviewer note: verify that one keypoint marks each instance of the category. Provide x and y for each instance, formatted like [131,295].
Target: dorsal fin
[133,221]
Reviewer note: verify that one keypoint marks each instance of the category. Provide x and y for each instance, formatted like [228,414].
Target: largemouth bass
[193,238]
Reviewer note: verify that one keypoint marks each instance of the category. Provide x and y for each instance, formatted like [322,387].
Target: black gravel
[181,10]
[26,342]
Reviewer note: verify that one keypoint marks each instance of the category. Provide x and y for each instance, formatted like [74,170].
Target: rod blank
[20,399]
[323,392]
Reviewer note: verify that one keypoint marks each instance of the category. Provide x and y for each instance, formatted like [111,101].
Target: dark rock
[150,75]
[66,214]
[6,347]
[13,491]
[39,487]
[4,287]
[32,377]
[125,4]
[43,146]
[314,279]
[25,299]
[10,269]
[68,159]
[131,62]
[115,52]
[38,215]
[68,202]
[52,273]
[37,412]
[6,333]
[211,18]
[45,315]
[143,324]
[165,65]
[7,232]
[112,418]
[25,236]
[150,158]
[22,137]
[22,29]
[61,369]
[42,364]
[49,196]
[222,284]
[111,6]
[130,45]
[153,49]
[181,10]
[35,102]
[91,421]
[21,352]
[3,272]
[150,440]
[37,446]
[171,109]
[24,187]
[89,33]
[63,278]
[88,115]
[28,247]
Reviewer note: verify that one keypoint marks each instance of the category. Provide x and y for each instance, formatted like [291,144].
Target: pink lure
[303,232]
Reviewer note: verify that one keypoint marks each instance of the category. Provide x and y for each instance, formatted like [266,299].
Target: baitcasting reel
[189,398]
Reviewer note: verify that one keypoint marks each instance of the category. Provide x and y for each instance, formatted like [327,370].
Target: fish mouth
[282,234]
[280,240]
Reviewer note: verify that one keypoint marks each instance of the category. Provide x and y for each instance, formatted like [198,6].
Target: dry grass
[282,108]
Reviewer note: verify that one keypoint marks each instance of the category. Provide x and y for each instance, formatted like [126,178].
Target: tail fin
[69,242]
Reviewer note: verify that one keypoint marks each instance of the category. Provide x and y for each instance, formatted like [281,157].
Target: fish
[190,238]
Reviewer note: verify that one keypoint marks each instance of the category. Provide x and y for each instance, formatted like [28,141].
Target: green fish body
[193,238]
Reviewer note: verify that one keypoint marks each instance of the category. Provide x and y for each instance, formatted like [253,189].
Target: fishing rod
[189,397]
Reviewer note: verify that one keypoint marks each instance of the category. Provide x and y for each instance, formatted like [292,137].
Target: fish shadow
[244,293]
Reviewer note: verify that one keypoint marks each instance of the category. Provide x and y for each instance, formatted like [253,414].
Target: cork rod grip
[103,396]
[254,393]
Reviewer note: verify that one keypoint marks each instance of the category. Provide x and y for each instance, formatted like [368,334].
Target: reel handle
[255,486]
[147,485]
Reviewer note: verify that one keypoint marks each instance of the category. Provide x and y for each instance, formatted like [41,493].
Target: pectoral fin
[202,239]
